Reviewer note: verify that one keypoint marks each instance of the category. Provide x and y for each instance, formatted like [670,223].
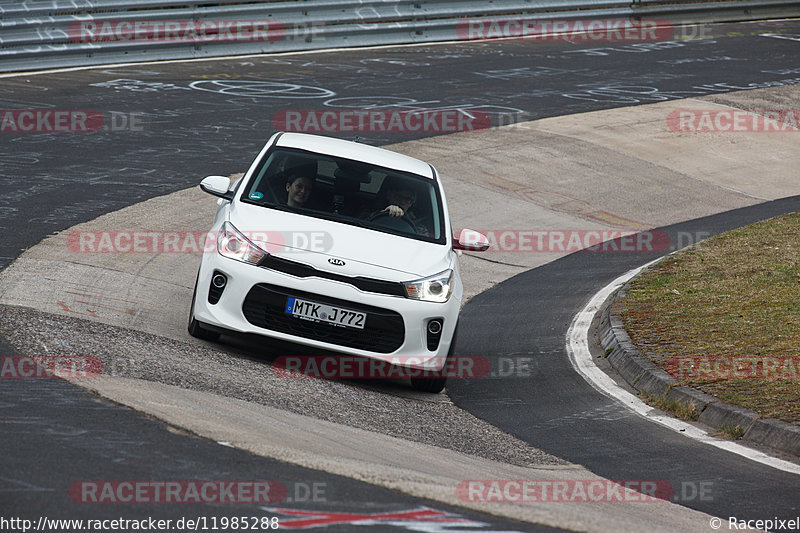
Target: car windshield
[347,191]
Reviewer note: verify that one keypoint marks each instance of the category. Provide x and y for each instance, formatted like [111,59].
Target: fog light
[434,333]
[219,281]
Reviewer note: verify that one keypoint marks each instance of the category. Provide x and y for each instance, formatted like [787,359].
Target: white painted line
[581,359]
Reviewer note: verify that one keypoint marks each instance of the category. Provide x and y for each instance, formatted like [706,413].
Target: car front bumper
[396,329]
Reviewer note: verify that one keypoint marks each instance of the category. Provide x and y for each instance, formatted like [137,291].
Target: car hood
[338,247]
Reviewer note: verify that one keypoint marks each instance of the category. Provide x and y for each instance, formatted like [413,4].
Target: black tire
[195,327]
[436,383]
[433,385]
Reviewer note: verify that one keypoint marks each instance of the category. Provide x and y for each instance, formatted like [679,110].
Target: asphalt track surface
[59,442]
[554,409]
[209,118]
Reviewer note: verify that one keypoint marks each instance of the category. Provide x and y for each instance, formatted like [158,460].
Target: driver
[400,200]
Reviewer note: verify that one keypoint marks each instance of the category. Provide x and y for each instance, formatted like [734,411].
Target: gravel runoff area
[133,354]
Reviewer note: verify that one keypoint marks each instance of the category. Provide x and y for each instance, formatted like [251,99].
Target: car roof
[356,151]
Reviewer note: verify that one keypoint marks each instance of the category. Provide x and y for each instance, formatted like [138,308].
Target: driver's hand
[394,210]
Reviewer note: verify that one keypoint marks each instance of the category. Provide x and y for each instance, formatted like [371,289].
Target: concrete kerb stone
[719,414]
[656,382]
[689,395]
[644,376]
[775,433]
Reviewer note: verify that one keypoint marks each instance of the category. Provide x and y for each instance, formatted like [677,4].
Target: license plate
[325,313]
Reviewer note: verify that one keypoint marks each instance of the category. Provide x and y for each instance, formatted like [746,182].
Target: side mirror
[470,240]
[218,186]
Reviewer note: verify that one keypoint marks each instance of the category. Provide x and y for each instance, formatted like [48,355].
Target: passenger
[298,190]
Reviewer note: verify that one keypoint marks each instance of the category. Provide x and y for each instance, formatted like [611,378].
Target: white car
[335,245]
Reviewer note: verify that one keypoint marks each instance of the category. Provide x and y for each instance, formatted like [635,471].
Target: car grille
[384,330]
[301,270]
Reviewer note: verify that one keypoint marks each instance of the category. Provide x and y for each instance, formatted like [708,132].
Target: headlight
[234,245]
[433,289]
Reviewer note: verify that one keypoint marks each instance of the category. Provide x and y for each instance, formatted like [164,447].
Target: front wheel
[434,385]
[196,328]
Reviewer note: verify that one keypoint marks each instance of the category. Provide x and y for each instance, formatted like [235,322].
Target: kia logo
[337,262]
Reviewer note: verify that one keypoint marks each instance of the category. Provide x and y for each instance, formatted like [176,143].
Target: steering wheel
[403,223]
[425,222]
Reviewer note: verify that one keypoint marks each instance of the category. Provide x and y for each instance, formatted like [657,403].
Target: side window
[269,186]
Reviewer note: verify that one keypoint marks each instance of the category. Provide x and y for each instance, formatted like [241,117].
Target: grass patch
[731,431]
[734,297]
[682,410]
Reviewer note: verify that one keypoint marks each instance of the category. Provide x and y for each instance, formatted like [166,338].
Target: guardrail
[39,34]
